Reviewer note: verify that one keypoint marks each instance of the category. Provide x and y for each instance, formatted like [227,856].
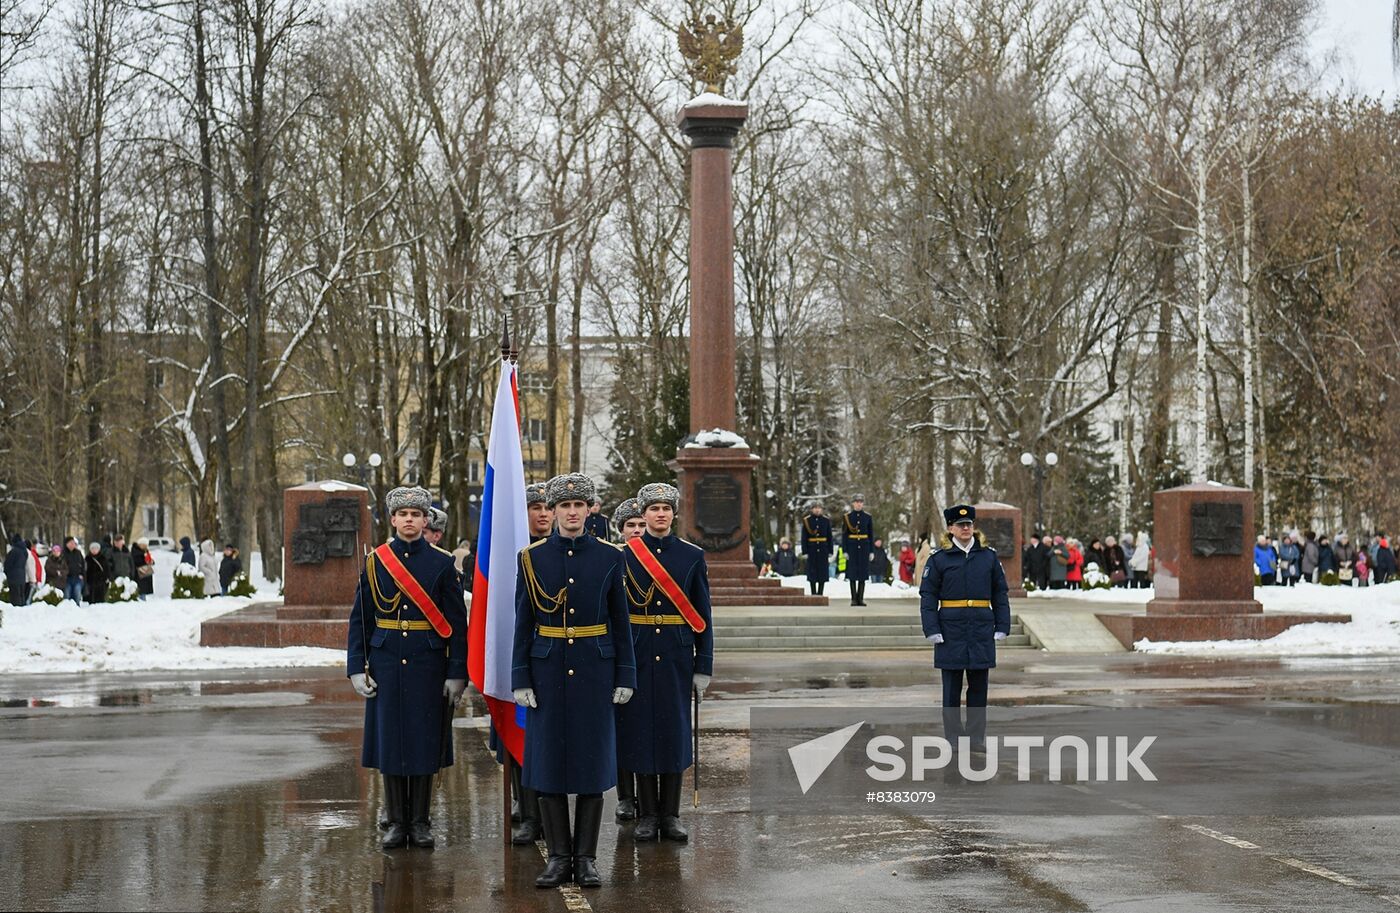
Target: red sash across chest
[667,583]
[410,587]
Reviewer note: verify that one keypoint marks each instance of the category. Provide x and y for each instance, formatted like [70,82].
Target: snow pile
[713,98]
[717,437]
[159,633]
[1373,630]
[1118,594]
[896,590]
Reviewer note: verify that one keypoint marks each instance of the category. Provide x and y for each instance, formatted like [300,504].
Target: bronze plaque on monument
[1000,533]
[326,530]
[1217,528]
[719,505]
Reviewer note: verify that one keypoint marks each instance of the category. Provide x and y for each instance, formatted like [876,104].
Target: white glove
[364,685]
[998,636]
[453,689]
[935,638]
[525,697]
[701,681]
[622,695]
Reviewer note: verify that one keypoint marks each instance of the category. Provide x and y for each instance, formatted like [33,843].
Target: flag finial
[507,349]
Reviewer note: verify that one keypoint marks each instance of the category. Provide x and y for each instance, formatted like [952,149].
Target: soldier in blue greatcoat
[654,728]
[858,539]
[410,670]
[572,662]
[597,522]
[965,612]
[816,546]
[629,523]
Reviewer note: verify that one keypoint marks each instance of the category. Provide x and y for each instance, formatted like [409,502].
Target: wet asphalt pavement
[242,791]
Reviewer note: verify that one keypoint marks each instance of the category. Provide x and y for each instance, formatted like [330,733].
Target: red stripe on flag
[476,630]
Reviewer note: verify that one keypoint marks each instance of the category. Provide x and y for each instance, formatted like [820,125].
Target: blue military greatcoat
[968,631]
[816,545]
[572,647]
[408,660]
[653,729]
[858,538]
[596,525]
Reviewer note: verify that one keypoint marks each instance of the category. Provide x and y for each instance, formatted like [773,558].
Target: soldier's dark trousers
[857,592]
[976,726]
[420,800]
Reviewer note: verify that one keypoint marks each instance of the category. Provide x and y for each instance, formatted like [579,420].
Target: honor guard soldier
[407,656]
[816,546]
[965,611]
[627,519]
[436,528]
[541,515]
[597,522]
[526,807]
[572,662]
[669,592]
[858,538]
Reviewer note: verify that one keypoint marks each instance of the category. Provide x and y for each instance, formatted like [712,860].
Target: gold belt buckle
[656,619]
[569,631]
[403,624]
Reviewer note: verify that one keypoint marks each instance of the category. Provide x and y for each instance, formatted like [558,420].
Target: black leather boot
[855,593]
[554,819]
[648,807]
[671,827]
[588,817]
[528,830]
[626,796]
[977,728]
[860,593]
[396,808]
[516,789]
[420,800]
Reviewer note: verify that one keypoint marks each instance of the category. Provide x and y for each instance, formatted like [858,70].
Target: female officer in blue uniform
[572,661]
[816,546]
[654,734]
[965,611]
[858,541]
[403,664]
[628,521]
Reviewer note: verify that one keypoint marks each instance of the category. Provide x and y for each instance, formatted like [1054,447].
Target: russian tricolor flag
[504,531]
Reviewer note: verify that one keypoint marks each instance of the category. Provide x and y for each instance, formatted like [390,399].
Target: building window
[474,472]
[1118,431]
[150,517]
[535,431]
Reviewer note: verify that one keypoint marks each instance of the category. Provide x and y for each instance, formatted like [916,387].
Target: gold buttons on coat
[404,661]
[658,659]
[571,611]
[405,633]
[571,580]
[571,671]
[571,553]
[658,630]
[571,640]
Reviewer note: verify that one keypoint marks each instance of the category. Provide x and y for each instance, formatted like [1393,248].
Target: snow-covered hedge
[49,594]
[1095,579]
[189,582]
[242,586]
[123,589]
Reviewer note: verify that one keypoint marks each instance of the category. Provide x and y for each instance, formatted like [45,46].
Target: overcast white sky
[1352,40]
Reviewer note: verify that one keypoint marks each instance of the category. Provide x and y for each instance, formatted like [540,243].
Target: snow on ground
[1114,594]
[897,590]
[160,633]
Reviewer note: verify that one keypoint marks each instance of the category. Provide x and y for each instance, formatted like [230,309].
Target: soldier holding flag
[407,656]
[669,592]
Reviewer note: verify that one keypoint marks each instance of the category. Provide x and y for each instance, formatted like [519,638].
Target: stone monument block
[1001,525]
[326,528]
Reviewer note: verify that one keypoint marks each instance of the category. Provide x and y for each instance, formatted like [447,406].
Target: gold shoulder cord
[807,525]
[849,527]
[631,585]
[387,606]
[538,597]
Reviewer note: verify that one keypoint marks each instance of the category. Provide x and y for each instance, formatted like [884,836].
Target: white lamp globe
[348,460]
[1027,459]
[375,460]
[1051,458]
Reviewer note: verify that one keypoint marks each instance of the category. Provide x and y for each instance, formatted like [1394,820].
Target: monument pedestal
[325,530]
[1001,525]
[1203,573]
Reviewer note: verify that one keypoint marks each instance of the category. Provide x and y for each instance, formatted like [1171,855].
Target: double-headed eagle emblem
[710,46]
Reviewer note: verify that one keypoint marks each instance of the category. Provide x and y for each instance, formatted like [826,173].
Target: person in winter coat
[145,569]
[1128,549]
[1115,562]
[187,552]
[906,563]
[1094,554]
[1385,561]
[97,573]
[1290,561]
[77,570]
[1074,573]
[16,561]
[1345,553]
[1308,561]
[209,567]
[121,564]
[229,568]
[56,569]
[879,562]
[785,559]
[1265,561]
[1141,562]
[1059,564]
[965,612]
[1326,560]
[1363,568]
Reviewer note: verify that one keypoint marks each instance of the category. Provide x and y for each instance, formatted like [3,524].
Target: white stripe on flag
[509,534]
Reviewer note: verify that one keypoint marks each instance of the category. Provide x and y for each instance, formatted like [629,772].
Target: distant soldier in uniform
[857,538]
[962,599]
[627,519]
[436,528]
[526,807]
[816,546]
[597,522]
[572,662]
[407,651]
[541,514]
[669,592]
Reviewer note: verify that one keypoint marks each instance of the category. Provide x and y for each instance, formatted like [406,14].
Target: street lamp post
[350,461]
[1039,467]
